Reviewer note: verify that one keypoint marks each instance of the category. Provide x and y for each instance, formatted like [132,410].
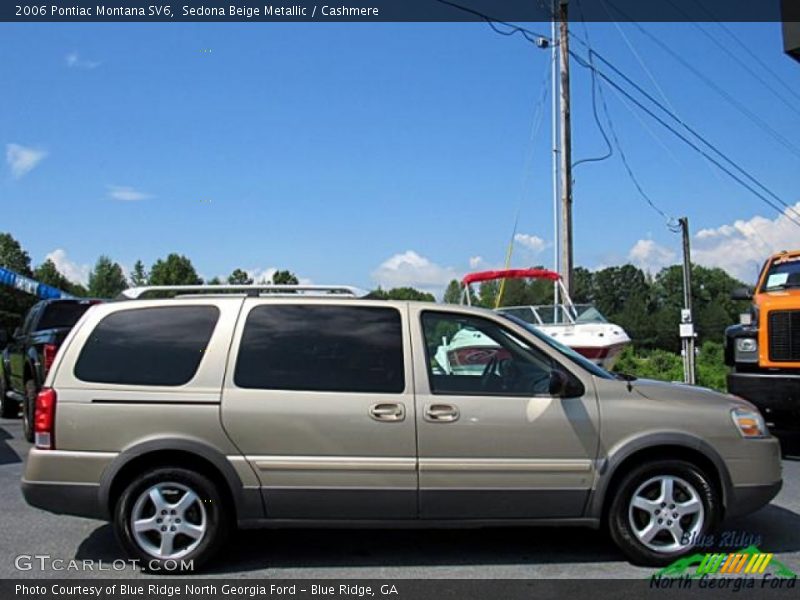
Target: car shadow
[252,550]
[778,530]
[8,455]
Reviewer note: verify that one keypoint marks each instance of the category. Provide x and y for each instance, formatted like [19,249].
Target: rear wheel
[29,409]
[9,409]
[661,510]
[170,516]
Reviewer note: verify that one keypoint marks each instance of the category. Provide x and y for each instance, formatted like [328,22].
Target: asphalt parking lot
[477,553]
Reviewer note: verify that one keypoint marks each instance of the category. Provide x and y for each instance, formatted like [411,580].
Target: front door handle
[387,411]
[441,413]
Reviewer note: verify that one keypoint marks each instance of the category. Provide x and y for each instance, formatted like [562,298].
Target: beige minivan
[182,418]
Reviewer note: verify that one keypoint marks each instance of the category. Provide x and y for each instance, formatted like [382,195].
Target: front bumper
[776,396]
[745,499]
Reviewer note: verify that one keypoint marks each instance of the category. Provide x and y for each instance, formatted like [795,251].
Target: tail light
[49,356]
[44,421]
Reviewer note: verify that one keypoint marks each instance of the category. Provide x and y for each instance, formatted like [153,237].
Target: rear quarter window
[62,315]
[147,346]
[322,348]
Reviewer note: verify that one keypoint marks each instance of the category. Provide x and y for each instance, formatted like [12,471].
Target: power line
[689,129]
[582,62]
[536,39]
[759,122]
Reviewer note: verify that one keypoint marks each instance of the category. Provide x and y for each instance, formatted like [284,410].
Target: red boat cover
[510,274]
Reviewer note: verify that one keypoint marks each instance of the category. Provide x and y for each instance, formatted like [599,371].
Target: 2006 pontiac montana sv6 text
[182,418]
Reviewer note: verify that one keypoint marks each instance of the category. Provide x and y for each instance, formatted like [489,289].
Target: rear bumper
[78,499]
[776,396]
[745,499]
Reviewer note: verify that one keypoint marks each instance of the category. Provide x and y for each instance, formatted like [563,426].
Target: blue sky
[382,153]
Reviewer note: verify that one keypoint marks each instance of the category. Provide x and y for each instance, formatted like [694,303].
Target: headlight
[746,345]
[749,423]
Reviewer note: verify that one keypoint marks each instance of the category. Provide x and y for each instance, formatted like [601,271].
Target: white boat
[579,326]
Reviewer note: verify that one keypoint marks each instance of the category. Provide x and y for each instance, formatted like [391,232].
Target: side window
[322,348]
[148,346]
[470,355]
[33,314]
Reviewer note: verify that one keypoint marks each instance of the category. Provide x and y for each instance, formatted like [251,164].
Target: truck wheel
[171,516]
[661,510]
[9,409]
[29,409]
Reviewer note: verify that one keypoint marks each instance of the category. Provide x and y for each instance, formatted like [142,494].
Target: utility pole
[566,151]
[687,324]
[554,50]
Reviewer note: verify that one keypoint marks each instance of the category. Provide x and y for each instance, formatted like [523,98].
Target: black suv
[30,352]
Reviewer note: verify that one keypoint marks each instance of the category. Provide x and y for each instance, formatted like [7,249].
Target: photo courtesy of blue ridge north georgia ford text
[399,299]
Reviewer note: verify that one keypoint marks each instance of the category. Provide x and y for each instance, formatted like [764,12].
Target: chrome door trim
[505,464]
[332,463]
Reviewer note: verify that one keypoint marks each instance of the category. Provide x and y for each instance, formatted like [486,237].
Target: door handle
[387,411]
[441,413]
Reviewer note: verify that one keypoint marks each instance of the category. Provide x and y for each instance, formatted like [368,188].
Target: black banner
[396,10]
[398,589]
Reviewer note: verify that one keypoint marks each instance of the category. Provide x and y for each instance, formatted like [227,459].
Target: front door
[493,442]
[319,398]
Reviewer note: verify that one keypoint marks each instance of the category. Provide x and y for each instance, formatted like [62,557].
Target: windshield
[783,273]
[588,314]
[562,349]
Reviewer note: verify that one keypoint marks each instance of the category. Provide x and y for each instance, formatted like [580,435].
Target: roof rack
[248,289]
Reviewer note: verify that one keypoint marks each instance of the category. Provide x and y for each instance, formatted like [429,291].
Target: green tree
[176,269]
[453,293]
[48,273]
[284,278]
[409,293]
[13,303]
[106,279]
[138,275]
[214,281]
[239,277]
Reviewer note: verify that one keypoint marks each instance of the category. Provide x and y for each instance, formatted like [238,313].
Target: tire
[9,409]
[204,515]
[642,516]
[29,409]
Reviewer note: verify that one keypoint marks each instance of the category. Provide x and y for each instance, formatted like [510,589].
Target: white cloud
[23,159]
[741,247]
[650,256]
[475,262]
[74,61]
[411,269]
[126,193]
[71,270]
[531,242]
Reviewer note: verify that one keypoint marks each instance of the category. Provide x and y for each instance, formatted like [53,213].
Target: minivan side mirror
[742,293]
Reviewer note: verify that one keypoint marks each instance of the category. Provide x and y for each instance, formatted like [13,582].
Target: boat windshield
[562,349]
[586,313]
[783,273]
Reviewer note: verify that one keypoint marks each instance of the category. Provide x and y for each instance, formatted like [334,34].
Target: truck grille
[784,335]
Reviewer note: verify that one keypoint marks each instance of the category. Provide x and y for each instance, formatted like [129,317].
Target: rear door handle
[387,411]
[441,413]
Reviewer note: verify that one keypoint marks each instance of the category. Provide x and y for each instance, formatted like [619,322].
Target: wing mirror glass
[742,293]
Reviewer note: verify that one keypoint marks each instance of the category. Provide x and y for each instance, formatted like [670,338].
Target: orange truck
[764,348]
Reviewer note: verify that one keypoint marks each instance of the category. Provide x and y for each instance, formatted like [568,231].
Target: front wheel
[661,510]
[170,518]
[29,409]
